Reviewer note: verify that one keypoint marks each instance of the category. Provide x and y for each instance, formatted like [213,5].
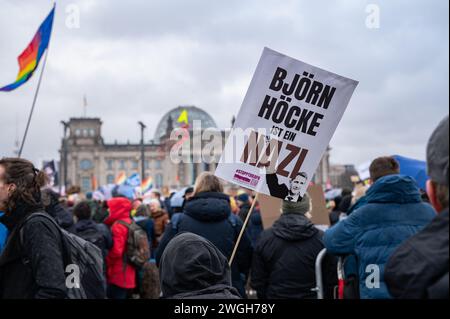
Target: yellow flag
[183,118]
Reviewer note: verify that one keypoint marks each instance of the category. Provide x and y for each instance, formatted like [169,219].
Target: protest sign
[270,209]
[319,212]
[49,168]
[285,123]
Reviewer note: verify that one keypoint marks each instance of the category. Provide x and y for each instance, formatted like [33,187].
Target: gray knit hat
[301,207]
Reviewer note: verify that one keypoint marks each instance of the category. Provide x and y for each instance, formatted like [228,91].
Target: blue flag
[134,180]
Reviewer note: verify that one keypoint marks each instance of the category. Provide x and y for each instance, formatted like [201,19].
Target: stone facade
[89,157]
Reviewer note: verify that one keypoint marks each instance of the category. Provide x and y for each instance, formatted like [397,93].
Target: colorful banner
[121,178]
[31,56]
[146,185]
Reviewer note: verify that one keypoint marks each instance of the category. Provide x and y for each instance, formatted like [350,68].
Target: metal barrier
[319,289]
[341,277]
[319,279]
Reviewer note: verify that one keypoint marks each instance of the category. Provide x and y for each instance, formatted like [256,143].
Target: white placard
[285,123]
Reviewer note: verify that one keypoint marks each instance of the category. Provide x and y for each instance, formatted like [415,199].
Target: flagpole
[236,245]
[34,103]
[35,94]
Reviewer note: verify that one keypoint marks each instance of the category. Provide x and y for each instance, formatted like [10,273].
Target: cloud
[136,60]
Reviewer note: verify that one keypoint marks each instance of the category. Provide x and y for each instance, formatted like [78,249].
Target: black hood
[294,227]
[85,224]
[191,264]
[208,206]
[214,292]
[256,218]
[62,216]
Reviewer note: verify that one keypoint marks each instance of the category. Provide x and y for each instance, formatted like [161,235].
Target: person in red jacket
[120,275]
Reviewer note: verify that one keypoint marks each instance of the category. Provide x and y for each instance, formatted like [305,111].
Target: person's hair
[302,174]
[383,166]
[28,181]
[207,182]
[345,203]
[49,198]
[157,193]
[165,191]
[82,210]
[73,190]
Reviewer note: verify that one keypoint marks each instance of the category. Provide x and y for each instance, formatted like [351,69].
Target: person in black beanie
[283,265]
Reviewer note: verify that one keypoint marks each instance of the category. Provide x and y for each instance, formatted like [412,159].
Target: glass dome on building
[193,114]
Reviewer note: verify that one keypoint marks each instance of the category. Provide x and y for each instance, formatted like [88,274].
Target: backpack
[138,250]
[94,236]
[83,261]
[150,287]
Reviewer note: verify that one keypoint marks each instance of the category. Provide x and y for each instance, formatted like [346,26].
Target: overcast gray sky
[137,59]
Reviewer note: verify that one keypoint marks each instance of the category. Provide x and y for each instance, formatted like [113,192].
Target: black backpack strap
[121,222]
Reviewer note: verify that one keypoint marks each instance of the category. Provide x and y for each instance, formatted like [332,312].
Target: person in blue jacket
[393,212]
[3,234]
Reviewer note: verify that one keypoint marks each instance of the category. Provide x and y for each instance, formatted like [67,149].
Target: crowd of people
[391,237]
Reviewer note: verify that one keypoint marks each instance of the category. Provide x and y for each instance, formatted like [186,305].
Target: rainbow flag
[121,178]
[146,185]
[30,57]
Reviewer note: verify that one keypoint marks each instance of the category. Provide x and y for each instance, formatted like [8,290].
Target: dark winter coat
[32,268]
[334,216]
[393,212]
[255,226]
[208,214]
[243,210]
[62,216]
[98,234]
[147,224]
[419,267]
[283,264]
[193,268]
